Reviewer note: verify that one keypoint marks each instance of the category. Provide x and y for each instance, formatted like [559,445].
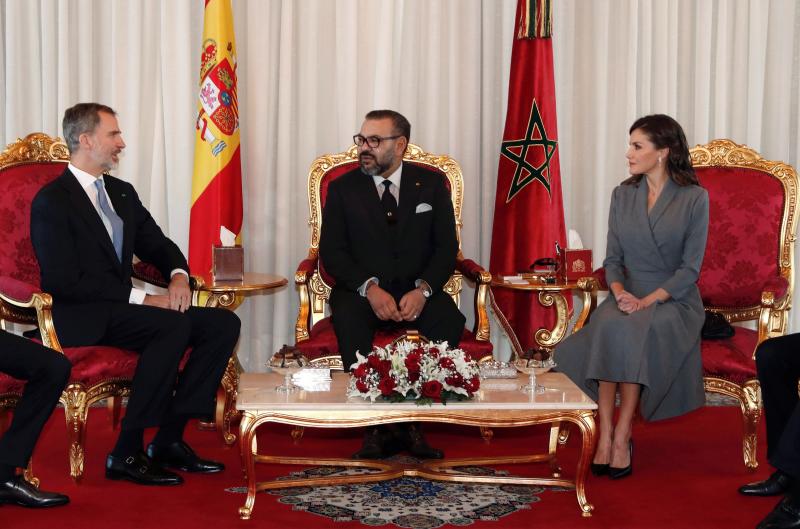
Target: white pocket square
[423,207]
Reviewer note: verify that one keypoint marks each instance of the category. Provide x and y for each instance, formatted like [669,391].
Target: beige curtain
[309,70]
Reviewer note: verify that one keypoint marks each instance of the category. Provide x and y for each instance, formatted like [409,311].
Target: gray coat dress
[657,347]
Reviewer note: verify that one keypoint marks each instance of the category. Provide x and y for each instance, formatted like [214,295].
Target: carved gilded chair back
[327,168]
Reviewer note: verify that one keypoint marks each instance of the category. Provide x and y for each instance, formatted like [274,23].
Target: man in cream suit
[389,241]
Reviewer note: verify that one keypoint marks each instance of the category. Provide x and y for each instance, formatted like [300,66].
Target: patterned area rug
[413,503]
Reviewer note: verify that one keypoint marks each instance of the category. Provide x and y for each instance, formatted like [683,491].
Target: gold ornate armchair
[98,372]
[313,331]
[747,273]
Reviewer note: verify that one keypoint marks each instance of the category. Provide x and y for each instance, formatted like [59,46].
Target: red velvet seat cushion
[90,365]
[731,359]
[322,342]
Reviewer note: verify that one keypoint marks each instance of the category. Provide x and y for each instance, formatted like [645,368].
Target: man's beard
[376,168]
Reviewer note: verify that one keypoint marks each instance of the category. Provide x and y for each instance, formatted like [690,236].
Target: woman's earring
[659,160]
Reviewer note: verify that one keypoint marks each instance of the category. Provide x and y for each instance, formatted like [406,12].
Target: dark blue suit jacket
[78,264]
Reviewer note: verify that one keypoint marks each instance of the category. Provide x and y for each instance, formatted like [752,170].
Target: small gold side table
[549,294]
[229,295]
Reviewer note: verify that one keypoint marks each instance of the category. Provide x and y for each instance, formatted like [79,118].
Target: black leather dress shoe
[139,469]
[619,473]
[775,485]
[785,515]
[410,435]
[600,469]
[180,456]
[17,491]
[372,447]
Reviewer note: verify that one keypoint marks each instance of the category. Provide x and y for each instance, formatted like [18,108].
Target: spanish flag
[217,179]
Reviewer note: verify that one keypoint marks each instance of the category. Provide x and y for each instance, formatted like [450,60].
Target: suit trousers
[355,322]
[778,364]
[47,372]
[161,337]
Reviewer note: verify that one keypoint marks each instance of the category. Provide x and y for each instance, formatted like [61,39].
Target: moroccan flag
[528,210]
[217,179]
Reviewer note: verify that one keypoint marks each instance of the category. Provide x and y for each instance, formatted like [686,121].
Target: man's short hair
[400,123]
[81,119]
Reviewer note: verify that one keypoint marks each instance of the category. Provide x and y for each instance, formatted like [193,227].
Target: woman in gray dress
[644,339]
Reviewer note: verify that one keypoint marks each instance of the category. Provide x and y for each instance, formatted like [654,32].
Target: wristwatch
[425,289]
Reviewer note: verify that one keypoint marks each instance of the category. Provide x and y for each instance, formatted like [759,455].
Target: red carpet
[686,472]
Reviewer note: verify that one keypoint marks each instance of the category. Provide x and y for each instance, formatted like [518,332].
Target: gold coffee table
[492,408]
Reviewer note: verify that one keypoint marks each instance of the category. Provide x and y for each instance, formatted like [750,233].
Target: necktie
[389,203]
[111,216]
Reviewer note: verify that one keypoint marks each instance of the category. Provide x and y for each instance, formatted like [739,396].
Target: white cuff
[178,271]
[362,290]
[137,296]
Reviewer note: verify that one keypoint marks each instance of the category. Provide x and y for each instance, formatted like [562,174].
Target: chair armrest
[16,291]
[473,271]
[774,289]
[774,315]
[148,273]
[22,302]
[302,277]
[482,279]
[305,270]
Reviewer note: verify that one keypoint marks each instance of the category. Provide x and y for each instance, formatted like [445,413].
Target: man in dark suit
[47,373]
[85,227]
[389,239]
[778,365]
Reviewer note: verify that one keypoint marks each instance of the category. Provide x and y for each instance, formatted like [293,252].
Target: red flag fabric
[528,211]
[217,178]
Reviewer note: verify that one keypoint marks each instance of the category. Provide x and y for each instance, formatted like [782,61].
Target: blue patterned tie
[113,218]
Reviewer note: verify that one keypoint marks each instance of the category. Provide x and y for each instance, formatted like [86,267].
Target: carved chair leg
[225,411]
[297,434]
[75,410]
[114,406]
[226,393]
[751,416]
[486,434]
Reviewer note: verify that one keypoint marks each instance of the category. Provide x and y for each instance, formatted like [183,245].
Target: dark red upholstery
[18,185]
[322,342]
[741,259]
[745,213]
[731,359]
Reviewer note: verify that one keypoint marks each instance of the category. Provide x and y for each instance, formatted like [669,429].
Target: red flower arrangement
[425,372]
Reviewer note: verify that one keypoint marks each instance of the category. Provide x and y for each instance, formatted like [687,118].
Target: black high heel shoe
[619,473]
[599,469]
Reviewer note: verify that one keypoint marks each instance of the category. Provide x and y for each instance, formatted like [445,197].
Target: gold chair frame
[313,290]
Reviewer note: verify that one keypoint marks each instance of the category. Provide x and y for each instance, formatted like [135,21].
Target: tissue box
[227,263]
[575,264]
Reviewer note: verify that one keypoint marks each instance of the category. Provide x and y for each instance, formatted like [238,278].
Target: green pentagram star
[525,173]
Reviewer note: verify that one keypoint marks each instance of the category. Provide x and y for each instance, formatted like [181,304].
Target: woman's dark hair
[665,132]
